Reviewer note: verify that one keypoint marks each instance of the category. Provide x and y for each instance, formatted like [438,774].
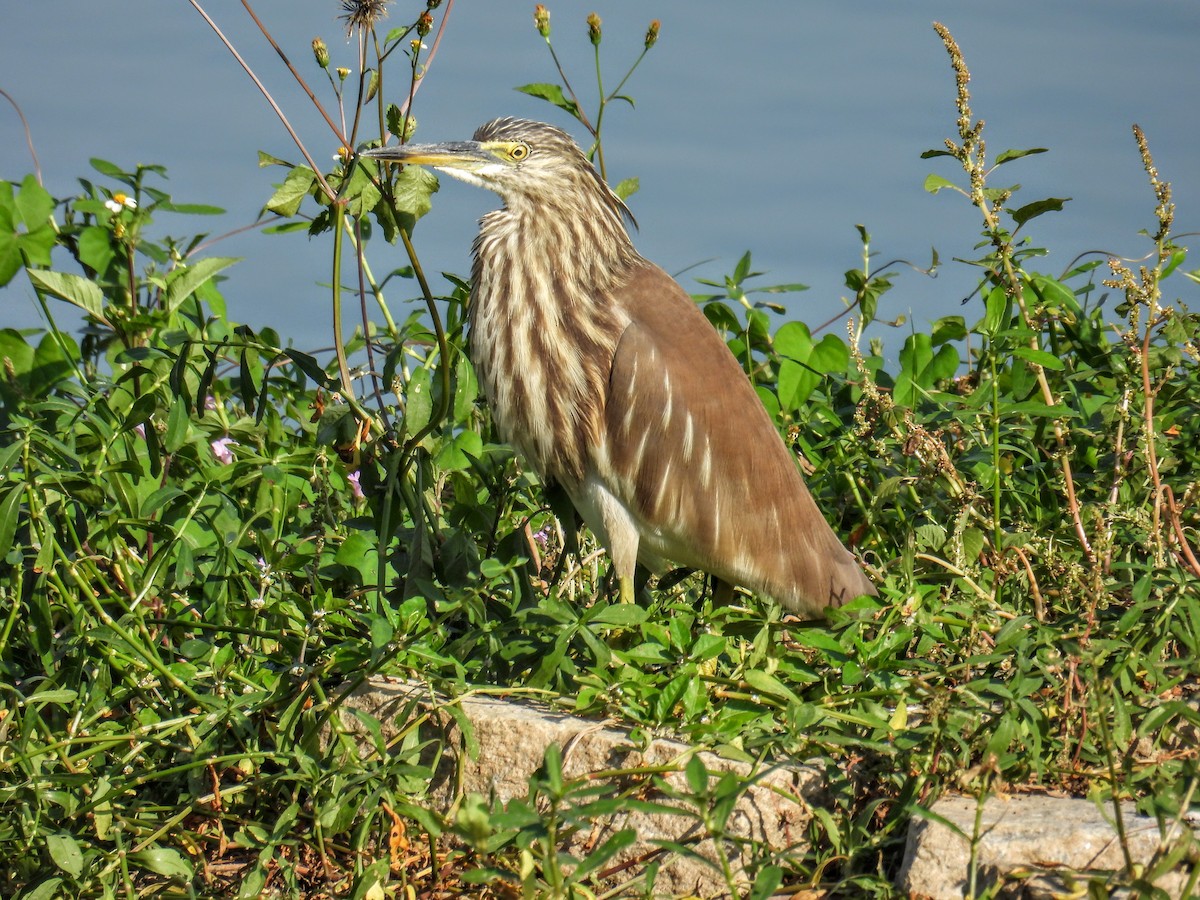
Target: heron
[606,377]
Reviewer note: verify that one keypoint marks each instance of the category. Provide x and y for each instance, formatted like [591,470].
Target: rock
[512,735]
[1034,844]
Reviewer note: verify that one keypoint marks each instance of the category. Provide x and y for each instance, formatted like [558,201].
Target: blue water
[772,127]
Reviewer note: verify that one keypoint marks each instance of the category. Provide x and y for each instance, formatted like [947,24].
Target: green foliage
[209,540]
[564,98]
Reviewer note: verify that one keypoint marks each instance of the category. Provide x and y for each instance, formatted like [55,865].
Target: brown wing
[699,462]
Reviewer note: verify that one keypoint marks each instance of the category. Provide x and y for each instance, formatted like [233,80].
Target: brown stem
[366,324]
[337,132]
[1039,603]
[329,192]
[1185,549]
[37,168]
[429,59]
[1148,416]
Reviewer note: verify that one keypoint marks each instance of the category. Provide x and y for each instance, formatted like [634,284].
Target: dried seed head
[424,24]
[541,20]
[363,14]
[433,4]
[320,52]
[593,23]
[652,33]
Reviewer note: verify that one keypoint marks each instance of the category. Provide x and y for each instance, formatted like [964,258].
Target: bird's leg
[722,592]
[615,527]
[626,589]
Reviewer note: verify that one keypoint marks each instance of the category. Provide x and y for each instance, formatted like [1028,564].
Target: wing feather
[692,453]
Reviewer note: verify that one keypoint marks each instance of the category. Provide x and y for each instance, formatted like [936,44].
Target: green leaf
[394,119]
[935,183]
[26,234]
[457,453]
[972,544]
[183,281]
[360,193]
[1040,357]
[46,890]
[34,205]
[551,93]
[58,697]
[1054,292]
[266,159]
[606,851]
[627,187]
[65,852]
[621,615]
[1035,209]
[1038,408]
[96,248]
[17,356]
[104,167]
[765,883]
[418,402]
[358,552]
[1010,155]
[921,368]
[73,288]
[163,861]
[804,362]
[466,389]
[412,190]
[1176,259]
[8,516]
[381,631]
[763,683]
[697,774]
[288,196]
[997,312]
[51,367]
[190,209]
[310,367]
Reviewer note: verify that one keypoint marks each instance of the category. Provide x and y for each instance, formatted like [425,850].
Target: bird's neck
[544,315]
[585,250]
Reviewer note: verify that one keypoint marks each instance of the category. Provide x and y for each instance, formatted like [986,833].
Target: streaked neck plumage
[542,307]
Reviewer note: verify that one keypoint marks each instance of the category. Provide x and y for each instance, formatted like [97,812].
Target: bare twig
[1039,603]
[37,168]
[429,59]
[329,192]
[1185,549]
[338,133]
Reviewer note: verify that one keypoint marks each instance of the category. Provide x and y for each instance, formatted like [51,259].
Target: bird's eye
[518,152]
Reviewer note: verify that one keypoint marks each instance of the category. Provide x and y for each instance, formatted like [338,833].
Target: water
[770,127]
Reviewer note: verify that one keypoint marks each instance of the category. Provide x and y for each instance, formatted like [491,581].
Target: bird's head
[519,159]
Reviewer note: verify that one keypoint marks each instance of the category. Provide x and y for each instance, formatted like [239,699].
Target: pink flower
[220,449]
[355,487]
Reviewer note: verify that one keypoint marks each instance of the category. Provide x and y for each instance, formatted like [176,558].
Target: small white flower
[257,603]
[120,201]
